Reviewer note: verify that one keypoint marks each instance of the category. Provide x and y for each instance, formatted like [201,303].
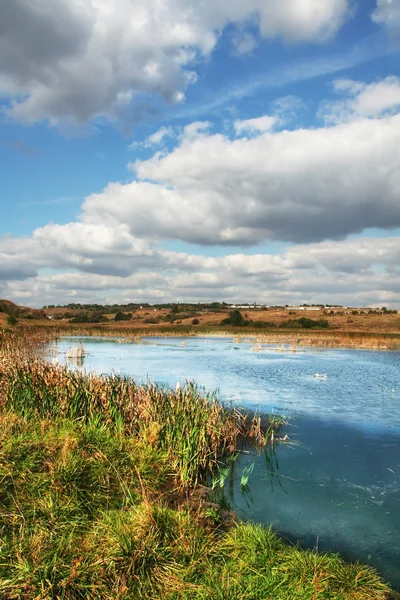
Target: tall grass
[334,339]
[192,426]
[296,338]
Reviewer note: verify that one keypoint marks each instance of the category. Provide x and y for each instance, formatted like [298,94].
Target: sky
[185,150]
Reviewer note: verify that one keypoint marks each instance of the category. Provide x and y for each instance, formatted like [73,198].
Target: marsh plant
[190,425]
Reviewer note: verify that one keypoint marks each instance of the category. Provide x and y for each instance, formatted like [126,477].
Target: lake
[336,485]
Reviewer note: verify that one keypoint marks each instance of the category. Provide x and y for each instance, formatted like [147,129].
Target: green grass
[89,512]
[192,427]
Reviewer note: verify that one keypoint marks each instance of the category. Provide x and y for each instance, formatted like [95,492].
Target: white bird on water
[320,376]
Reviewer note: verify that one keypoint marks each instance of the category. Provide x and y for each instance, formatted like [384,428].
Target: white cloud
[287,108]
[357,271]
[387,13]
[363,100]
[73,60]
[155,139]
[195,129]
[158,137]
[243,42]
[296,18]
[300,186]
[352,255]
[259,124]
[90,248]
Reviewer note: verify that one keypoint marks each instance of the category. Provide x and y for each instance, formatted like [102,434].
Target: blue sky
[169,151]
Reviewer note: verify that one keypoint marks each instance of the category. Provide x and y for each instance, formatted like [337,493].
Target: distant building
[243,306]
[303,307]
[335,307]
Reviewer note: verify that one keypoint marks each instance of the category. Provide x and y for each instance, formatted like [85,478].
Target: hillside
[8,308]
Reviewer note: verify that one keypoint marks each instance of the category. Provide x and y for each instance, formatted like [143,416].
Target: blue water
[337,483]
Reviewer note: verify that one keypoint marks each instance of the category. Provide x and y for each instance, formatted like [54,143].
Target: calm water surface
[338,485]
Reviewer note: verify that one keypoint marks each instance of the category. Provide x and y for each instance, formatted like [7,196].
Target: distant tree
[235,318]
[121,316]
[12,320]
[195,322]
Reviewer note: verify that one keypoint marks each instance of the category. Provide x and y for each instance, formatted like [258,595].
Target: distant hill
[10,308]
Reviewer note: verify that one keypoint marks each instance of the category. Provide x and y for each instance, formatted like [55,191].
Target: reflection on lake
[339,485]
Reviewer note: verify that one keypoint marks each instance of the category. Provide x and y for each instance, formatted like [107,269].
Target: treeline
[112,308]
[100,308]
[98,317]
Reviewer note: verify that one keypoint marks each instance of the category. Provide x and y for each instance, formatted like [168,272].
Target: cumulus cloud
[90,248]
[75,60]
[362,100]
[296,186]
[14,268]
[359,270]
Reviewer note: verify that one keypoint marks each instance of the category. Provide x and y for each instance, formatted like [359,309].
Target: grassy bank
[99,496]
[91,512]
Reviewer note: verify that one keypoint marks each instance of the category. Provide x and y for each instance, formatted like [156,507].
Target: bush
[120,316]
[311,323]
[235,318]
[195,322]
[85,318]
[305,323]
[12,320]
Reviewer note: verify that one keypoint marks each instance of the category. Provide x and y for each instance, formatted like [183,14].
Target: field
[377,323]
[104,495]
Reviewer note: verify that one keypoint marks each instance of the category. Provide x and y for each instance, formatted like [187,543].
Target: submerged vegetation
[99,495]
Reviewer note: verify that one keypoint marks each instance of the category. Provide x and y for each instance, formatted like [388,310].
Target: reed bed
[366,341]
[190,425]
[297,338]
